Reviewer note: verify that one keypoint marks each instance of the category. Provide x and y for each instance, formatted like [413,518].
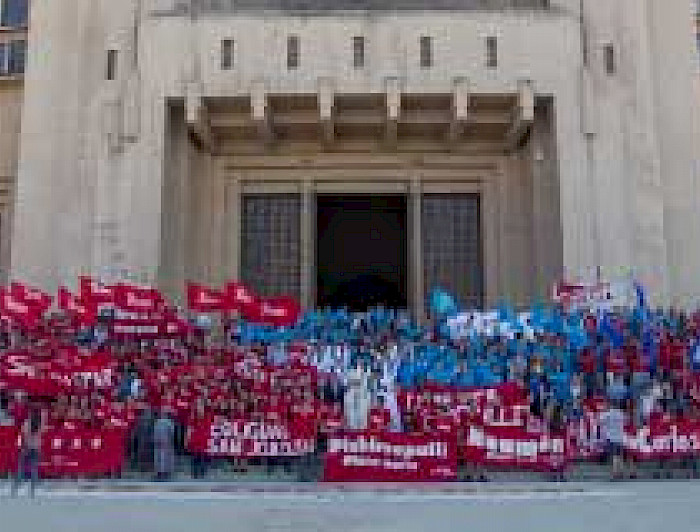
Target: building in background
[322,147]
[697,26]
[13,47]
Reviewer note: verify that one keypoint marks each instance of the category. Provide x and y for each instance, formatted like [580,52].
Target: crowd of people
[340,370]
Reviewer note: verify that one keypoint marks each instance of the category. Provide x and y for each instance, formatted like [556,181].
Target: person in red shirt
[198,416]
[332,417]
[665,353]
[19,410]
[615,362]
[276,410]
[588,365]
[304,416]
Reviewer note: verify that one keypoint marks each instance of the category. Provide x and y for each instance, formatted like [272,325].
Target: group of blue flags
[475,360]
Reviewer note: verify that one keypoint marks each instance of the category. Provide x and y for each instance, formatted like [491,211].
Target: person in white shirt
[613,423]
[388,392]
[357,398]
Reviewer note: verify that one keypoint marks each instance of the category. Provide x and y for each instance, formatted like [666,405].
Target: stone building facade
[494,145]
[13,45]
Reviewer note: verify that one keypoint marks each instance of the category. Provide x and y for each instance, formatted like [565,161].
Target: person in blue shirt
[695,354]
[617,390]
[464,376]
[561,385]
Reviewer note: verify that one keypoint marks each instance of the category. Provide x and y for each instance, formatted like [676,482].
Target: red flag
[33,297]
[17,310]
[83,311]
[241,298]
[137,299]
[95,292]
[277,311]
[204,299]
[174,327]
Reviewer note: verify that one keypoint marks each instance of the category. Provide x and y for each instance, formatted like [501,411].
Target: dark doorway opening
[361,251]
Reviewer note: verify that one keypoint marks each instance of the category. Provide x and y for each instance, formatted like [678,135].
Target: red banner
[664,440]
[148,328]
[9,449]
[364,456]
[248,439]
[82,452]
[516,448]
[429,396]
[64,372]
[68,453]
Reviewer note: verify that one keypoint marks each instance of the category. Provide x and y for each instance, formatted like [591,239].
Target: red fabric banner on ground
[364,456]
[247,439]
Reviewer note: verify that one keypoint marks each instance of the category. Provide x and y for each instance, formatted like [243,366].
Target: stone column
[547,232]
[234,226]
[415,248]
[218,229]
[490,230]
[308,230]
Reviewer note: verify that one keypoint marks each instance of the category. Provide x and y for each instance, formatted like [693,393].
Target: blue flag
[442,303]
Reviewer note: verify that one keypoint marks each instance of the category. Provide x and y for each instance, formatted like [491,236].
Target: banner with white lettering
[389,457]
[249,439]
[515,448]
[69,452]
[663,440]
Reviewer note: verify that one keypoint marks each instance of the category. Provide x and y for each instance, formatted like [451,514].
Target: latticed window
[426,51]
[14,13]
[452,252]
[227,54]
[293,52]
[17,57]
[271,243]
[12,57]
[491,52]
[358,51]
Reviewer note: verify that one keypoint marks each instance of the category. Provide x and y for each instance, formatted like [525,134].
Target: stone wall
[94,171]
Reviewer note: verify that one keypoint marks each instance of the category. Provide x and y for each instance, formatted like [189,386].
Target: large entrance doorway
[362,251]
